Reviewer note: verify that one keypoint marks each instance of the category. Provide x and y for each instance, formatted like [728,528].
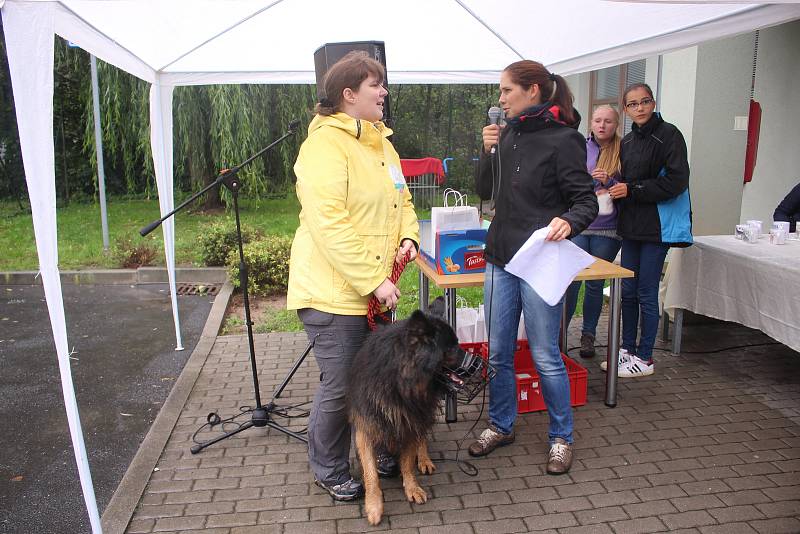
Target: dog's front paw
[373,507]
[416,494]
[425,466]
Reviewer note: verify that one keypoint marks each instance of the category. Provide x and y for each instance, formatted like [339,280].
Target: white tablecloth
[754,284]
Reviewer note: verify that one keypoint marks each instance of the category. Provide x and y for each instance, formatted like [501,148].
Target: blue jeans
[505,296]
[600,247]
[640,294]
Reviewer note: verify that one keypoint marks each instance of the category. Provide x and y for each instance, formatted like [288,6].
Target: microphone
[495,116]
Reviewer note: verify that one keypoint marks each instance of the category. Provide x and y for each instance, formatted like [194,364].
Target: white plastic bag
[466,319]
[455,216]
[480,326]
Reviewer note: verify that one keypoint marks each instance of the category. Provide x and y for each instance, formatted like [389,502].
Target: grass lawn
[80,243]
[80,238]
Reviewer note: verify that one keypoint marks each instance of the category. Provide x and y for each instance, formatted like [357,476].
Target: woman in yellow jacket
[356,220]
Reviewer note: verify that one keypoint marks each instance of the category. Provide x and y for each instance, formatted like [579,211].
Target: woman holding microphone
[537,177]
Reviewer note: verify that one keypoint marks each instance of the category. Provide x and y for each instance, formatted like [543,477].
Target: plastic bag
[455,216]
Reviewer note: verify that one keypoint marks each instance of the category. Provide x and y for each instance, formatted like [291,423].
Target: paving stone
[282,516]
[696,518]
[783,525]
[660,492]
[141,526]
[650,508]
[749,482]
[232,520]
[781,509]
[419,519]
[179,523]
[169,510]
[259,529]
[643,525]
[557,521]
[601,515]
[310,527]
[697,502]
[590,529]
[626,483]
[459,528]
[731,514]
[501,526]
[729,528]
[706,486]
[523,509]
[467,515]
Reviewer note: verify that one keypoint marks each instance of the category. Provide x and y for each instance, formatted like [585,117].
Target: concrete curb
[142,275]
[123,503]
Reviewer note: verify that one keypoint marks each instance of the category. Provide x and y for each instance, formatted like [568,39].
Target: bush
[130,254]
[218,239]
[267,261]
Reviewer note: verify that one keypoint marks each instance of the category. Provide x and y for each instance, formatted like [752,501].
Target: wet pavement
[710,444]
[124,364]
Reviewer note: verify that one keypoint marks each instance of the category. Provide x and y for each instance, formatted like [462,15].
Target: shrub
[267,261]
[130,254]
[218,239]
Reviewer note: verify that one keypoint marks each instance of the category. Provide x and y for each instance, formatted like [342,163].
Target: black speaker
[328,54]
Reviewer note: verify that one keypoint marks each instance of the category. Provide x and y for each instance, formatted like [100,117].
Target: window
[608,85]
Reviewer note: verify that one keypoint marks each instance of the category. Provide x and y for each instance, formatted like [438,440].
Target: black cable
[213,419]
[715,351]
[472,470]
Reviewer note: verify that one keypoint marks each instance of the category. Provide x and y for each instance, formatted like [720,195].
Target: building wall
[722,92]
[678,80]
[580,85]
[777,89]
[701,90]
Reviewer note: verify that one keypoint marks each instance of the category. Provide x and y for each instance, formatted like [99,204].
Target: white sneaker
[624,357]
[636,367]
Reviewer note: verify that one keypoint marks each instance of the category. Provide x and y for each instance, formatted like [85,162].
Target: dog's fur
[393,397]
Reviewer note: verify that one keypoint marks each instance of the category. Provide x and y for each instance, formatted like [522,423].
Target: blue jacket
[655,167]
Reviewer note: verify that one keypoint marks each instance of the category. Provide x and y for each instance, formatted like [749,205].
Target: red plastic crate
[529,393]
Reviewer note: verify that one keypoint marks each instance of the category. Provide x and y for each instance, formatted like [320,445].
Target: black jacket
[789,208]
[543,164]
[656,169]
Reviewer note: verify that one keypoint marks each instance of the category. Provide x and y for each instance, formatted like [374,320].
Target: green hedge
[267,261]
[218,239]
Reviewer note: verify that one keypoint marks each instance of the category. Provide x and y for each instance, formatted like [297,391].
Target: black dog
[393,397]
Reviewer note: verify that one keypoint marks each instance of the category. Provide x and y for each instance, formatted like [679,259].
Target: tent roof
[427,41]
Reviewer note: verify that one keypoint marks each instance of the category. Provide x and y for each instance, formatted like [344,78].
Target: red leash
[374,306]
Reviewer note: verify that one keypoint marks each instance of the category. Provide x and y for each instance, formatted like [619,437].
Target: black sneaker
[587,345]
[346,491]
[387,465]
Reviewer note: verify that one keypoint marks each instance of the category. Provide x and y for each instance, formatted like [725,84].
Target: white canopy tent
[190,42]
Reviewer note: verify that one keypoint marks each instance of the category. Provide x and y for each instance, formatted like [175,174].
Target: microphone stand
[261,413]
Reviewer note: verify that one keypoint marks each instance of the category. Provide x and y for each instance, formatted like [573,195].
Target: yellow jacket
[356,209]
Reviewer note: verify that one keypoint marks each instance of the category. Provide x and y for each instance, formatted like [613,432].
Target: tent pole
[98,144]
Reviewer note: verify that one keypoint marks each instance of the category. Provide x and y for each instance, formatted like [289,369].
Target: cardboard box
[455,252]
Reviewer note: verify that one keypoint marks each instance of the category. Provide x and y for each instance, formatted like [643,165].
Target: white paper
[549,267]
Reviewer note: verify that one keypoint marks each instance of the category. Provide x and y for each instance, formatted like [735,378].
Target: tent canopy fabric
[183,42]
[189,42]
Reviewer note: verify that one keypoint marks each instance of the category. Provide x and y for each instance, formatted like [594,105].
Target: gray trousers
[338,338]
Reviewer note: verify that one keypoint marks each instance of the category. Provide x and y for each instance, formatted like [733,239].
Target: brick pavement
[709,444]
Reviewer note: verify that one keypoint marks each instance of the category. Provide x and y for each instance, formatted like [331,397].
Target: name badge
[397,177]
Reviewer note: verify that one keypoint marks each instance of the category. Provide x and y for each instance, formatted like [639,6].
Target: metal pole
[98,143]
[612,358]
